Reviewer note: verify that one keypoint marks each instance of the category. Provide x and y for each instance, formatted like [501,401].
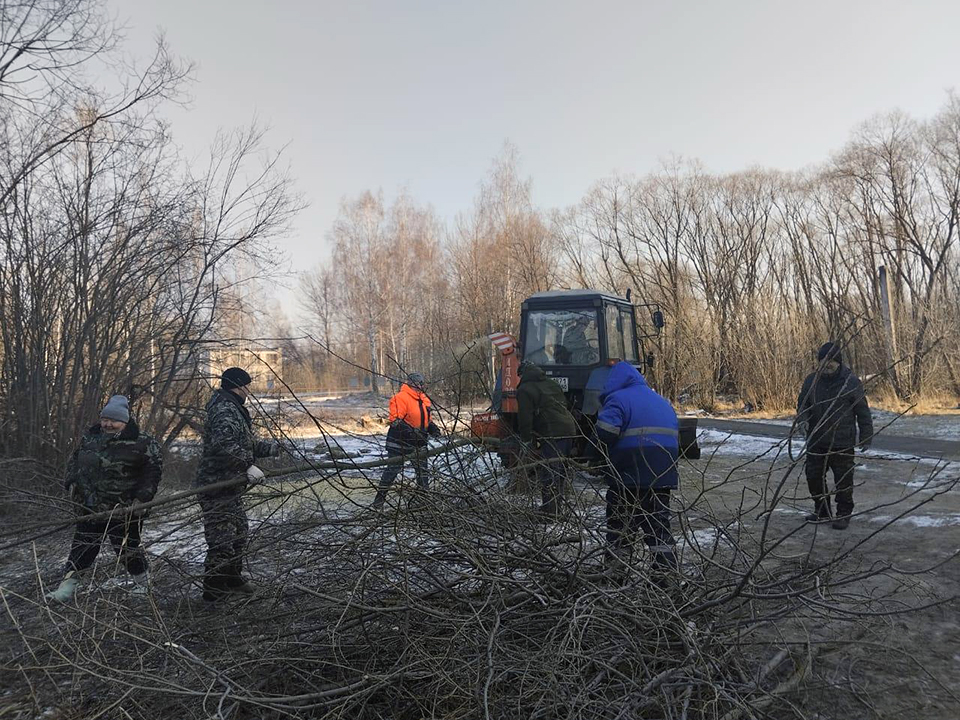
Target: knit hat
[117,408]
[234,377]
[416,380]
[830,351]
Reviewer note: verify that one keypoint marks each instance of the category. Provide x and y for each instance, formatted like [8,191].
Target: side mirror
[658,322]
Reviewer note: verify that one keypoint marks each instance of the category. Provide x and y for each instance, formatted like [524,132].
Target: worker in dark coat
[576,347]
[638,431]
[832,408]
[547,428]
[230,449]
[114,467]
[411,423]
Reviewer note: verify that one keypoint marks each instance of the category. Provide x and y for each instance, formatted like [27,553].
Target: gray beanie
[117,408]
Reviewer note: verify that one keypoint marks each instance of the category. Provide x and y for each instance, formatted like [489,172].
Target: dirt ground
[905,536]
[883,640]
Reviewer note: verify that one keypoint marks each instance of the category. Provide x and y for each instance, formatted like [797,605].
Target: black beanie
[830,351]
[234,378]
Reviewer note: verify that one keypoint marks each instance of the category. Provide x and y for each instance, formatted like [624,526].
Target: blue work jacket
[639,429]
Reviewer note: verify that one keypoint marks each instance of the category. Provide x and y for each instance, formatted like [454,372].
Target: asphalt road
[884,441]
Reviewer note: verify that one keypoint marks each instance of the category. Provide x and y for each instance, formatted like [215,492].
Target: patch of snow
[176,540]
[933,483]
[920,521]
[716,442]
[704,538]
[790,511]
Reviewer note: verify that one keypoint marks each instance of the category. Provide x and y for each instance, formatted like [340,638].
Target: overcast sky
[422,95]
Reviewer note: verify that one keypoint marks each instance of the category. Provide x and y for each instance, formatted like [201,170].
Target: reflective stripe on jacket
[640,430]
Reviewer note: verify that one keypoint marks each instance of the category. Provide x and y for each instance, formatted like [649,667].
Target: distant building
[265,365]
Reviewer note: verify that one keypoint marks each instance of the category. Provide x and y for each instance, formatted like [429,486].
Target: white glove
[255,475]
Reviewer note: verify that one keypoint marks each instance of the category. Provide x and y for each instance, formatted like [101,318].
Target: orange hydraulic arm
[509,364]
[490,424]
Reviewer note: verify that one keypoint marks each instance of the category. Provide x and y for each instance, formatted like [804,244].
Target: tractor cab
[576,335]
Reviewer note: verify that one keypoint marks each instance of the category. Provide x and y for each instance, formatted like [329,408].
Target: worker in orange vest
[410,425]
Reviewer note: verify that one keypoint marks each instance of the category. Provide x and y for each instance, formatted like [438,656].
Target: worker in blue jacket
[637,430]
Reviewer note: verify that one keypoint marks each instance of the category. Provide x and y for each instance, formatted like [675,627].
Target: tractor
[575,336]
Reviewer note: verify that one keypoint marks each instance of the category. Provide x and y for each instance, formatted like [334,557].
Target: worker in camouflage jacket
[114,467]
[831,409]
[229,452]
[547,429]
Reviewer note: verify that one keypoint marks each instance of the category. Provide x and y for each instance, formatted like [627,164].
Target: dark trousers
[124,534]
[552,475]
[632,510]
[225,529]
[841,462]
[391,472]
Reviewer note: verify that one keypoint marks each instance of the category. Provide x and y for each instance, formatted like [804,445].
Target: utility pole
[493,355]
[890,333]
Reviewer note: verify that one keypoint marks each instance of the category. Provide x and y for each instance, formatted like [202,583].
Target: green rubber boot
[67,589]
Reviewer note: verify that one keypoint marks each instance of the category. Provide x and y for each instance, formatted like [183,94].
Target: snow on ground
[704,538]
[176,540]
[935,427]
[724,443]
[716,442]
[920,521]
[371,446]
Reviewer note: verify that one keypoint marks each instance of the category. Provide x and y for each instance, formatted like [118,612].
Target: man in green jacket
[545,424]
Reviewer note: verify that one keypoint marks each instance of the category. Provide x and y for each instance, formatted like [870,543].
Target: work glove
[433,431]
[255,475]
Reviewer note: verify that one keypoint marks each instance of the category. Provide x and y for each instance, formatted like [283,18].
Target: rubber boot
[379,499]
[616,562]
[67,589]
[841,523]
[141,583]
[214,587]
[550,509]
[821,512]
[664,573]
[235,581]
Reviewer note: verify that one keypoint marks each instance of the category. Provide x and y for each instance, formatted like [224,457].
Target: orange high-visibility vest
[411,406]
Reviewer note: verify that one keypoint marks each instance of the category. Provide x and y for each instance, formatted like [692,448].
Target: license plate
[563,382]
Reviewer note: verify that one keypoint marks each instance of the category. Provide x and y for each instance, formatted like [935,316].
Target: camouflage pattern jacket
[229,445]
[107,470]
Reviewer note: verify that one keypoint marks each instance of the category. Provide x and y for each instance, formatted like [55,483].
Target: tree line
[753,270]
[119,261]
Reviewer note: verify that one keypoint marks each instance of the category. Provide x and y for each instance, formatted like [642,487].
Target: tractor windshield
[562,337]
